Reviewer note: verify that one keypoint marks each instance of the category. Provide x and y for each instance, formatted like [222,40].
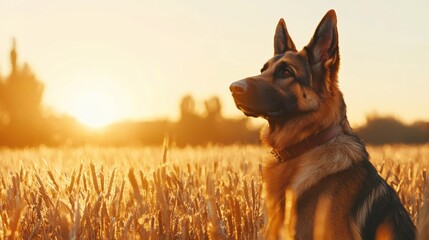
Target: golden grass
[145,193]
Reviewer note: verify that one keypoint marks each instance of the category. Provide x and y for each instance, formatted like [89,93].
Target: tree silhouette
[189,126]
[21,97]
[210,126]
[3,116]
[213,108]
[187,107]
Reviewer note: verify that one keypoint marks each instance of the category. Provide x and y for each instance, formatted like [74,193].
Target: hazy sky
[136,59]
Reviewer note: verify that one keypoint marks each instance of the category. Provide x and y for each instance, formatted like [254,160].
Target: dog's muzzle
[256,98]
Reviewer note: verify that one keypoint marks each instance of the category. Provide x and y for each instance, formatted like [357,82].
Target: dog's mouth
[252,112]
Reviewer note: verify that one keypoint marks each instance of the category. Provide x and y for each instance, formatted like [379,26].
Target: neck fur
[297,129]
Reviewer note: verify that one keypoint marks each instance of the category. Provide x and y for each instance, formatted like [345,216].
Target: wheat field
[163,192]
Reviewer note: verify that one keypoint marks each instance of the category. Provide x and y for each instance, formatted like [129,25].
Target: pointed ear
[282,40]
[324,44]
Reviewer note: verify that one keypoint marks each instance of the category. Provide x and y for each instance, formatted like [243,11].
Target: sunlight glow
[95,109]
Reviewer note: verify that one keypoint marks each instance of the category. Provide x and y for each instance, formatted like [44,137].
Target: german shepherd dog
[320,170]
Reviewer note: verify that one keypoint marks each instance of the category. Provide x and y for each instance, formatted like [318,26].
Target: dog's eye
[287,73]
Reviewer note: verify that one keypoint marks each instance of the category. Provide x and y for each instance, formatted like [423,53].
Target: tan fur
[302,173]
[366,208]
[330,158]
[327,115]
[310,102]
[330,209]
[355,230]
[301,127]
[324,193]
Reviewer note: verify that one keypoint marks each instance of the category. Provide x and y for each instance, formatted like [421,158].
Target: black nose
[238,87]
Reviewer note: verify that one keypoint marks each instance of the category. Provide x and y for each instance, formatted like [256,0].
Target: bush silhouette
[389,130]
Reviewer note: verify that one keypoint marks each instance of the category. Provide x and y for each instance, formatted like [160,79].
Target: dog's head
[292,83]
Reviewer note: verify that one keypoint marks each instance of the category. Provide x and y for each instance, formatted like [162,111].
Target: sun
[97,99]
[94,104]
[95,108]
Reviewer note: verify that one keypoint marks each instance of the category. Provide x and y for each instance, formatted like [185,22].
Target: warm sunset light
[194,49]
[95,109]
[133,63]
[236,120]
[97,100]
